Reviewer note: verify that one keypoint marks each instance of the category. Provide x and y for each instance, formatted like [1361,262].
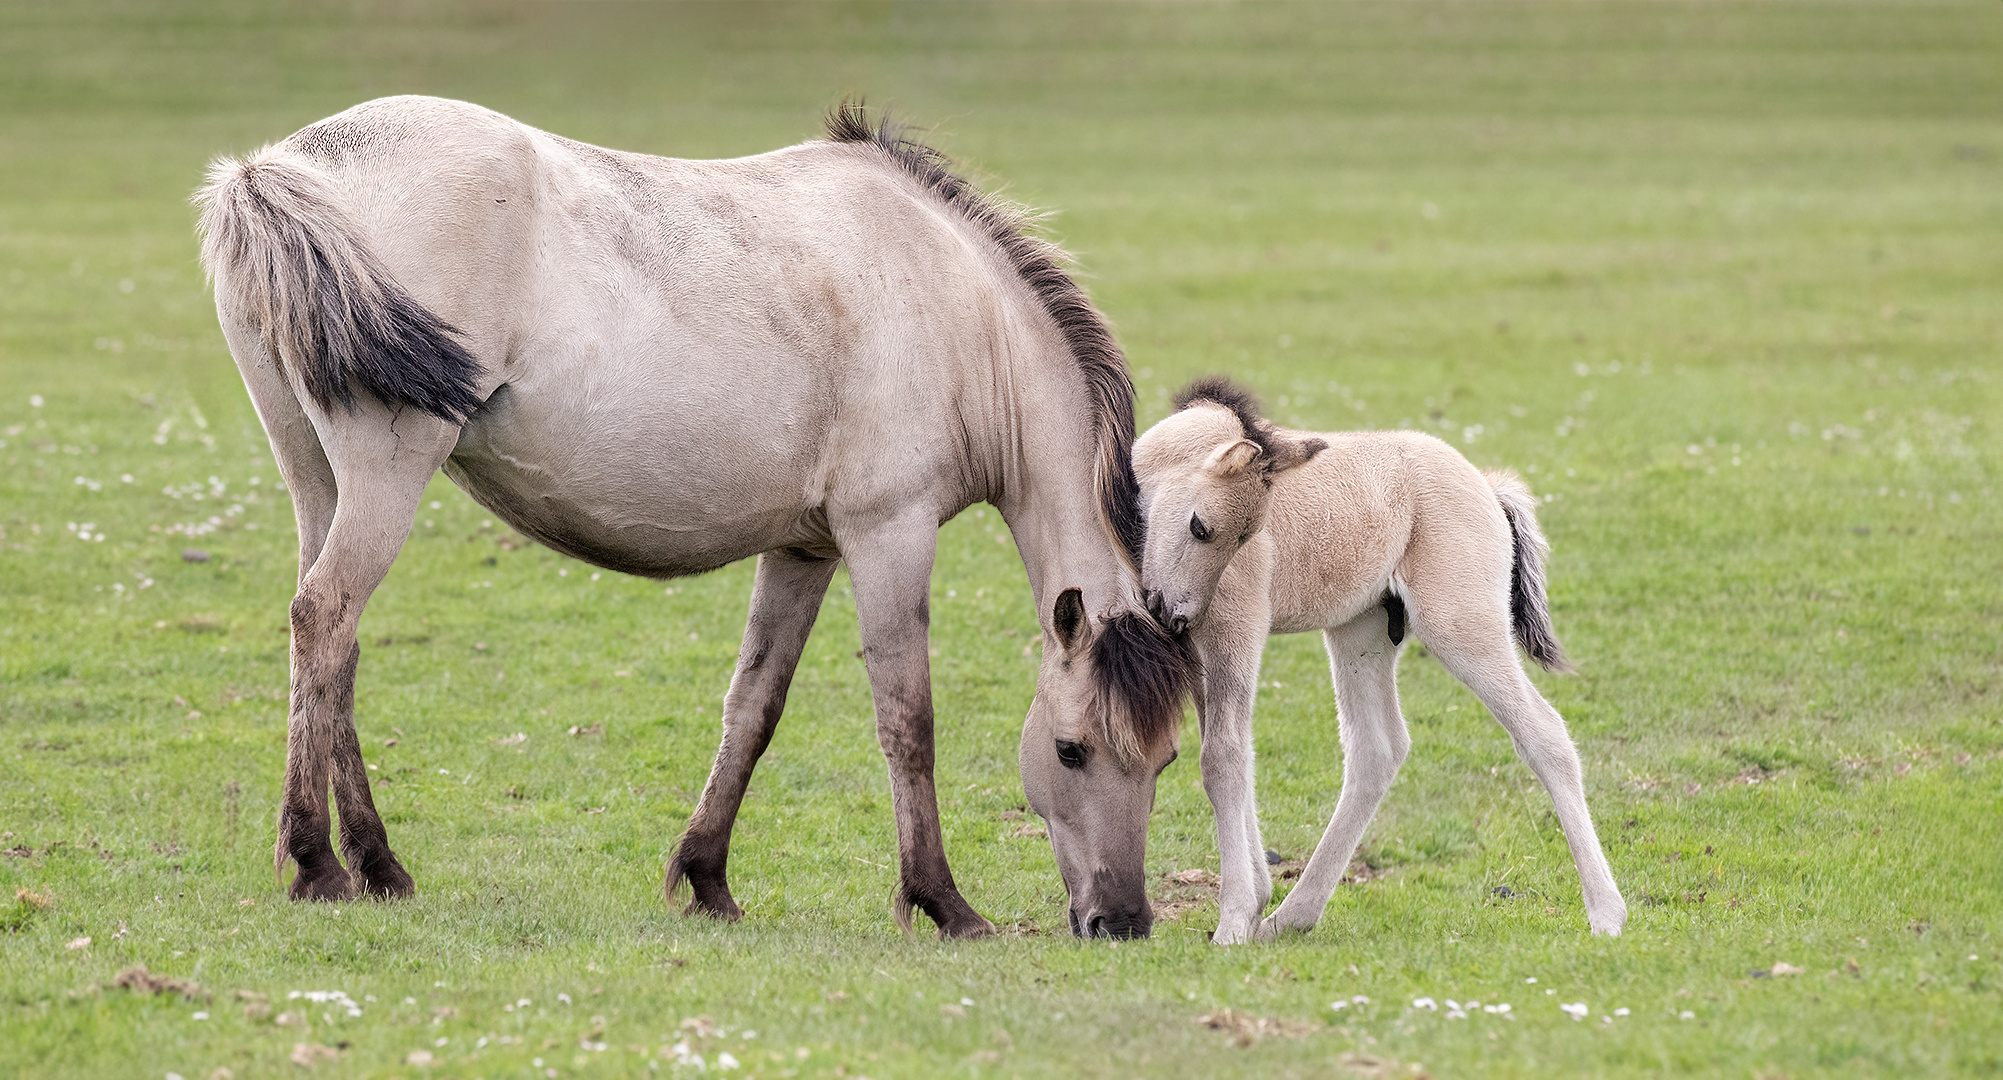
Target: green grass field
[1719,278]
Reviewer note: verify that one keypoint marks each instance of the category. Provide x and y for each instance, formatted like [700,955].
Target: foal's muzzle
[1158,607]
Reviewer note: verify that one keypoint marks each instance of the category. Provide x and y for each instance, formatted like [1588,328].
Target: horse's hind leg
[1364,665]
[380,462]
[1472,639]
[784,601]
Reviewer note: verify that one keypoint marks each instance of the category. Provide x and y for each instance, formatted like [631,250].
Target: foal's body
[662,366]
[1374,533]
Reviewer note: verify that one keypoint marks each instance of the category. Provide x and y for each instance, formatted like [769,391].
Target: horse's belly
[631,493]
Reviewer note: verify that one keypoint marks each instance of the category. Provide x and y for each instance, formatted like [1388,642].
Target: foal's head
[1206,476]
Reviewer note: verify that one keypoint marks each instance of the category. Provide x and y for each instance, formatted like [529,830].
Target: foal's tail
[287,256]
[1528,608]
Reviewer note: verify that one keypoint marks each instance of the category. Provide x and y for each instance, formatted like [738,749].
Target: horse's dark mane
[1141,668]
[1218,390]
[1041,266]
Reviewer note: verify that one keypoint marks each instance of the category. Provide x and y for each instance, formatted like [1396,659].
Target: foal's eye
[1071,754]
[1199,530]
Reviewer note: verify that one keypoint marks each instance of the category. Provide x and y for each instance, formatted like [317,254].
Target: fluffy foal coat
[1368,537]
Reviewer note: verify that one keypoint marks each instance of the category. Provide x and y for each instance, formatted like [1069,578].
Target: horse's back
[696,354]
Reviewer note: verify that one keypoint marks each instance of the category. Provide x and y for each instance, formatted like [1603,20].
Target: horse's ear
[1068,619]
[1227,461]
[1290,454]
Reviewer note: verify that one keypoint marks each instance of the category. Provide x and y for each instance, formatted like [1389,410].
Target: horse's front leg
[1224,714]
[890,565]
[785,598]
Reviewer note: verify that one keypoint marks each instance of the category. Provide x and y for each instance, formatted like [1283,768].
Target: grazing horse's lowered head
[1101,729]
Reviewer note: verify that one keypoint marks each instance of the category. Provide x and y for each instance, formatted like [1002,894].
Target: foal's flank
[1257,530]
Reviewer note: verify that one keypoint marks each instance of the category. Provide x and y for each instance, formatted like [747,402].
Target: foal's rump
[1475,564]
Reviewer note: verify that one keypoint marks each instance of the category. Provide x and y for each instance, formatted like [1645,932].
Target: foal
[1255,530]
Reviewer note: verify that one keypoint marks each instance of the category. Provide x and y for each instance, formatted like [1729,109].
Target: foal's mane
[1141,671]
[1218,390]
[1040,264]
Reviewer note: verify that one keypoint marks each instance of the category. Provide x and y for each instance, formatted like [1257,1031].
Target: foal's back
[1374,506]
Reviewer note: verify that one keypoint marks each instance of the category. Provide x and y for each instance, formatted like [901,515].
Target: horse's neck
[1050,500]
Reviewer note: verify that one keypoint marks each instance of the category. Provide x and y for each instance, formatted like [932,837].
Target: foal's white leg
[1489,666]
[1224,714]
[1363,664]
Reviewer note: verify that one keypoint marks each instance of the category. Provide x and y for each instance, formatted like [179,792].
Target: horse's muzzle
[1118,925]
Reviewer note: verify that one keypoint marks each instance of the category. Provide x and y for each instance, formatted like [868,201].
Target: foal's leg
[784,601]
[1477,647]
[380,462]
[1224,715]
[890,564]
[1364,665]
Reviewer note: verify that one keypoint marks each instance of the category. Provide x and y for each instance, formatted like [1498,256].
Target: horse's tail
[286,255]
[1529,609]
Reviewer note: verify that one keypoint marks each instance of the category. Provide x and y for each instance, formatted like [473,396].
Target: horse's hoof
[387,880]
[335,884]
[967,929]
[722,909]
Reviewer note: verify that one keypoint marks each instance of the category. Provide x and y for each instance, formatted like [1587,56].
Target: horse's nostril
[1154,604]
[1095,927]
[1178,624]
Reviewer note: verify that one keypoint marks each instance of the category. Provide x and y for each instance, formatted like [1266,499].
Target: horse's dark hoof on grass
[385,879]
[967,930]
[724,911]
[334,884]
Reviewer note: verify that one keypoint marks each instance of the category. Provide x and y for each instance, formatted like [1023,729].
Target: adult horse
[662,366]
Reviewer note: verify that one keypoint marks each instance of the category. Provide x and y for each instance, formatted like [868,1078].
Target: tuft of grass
[1717,279]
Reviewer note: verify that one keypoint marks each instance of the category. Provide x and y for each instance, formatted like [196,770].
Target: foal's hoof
[334,884]
[1269,929]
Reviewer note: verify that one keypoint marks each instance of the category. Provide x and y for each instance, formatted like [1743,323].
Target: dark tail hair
[284,253]
[1529,610]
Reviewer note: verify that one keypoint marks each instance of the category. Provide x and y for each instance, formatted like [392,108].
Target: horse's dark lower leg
[892,571]
[364,841]
[784,602]
[321,692]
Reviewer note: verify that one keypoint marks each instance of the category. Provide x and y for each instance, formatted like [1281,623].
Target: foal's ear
[1068,618]
[1291,454]
[1227,461]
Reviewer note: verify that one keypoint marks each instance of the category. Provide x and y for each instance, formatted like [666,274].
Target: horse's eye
[1071,754]
[1199,530]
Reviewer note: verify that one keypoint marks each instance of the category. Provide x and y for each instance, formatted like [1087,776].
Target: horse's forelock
[1040,264]
[1141,674]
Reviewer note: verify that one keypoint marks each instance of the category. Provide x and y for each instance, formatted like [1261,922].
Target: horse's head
[1101,729]
[1206,479]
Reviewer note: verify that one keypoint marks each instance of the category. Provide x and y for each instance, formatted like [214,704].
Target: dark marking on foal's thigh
[1394,613]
